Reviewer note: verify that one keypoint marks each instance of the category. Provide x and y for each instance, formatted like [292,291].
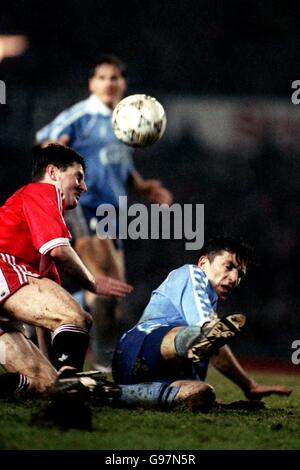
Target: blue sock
[148,394]
[185,338]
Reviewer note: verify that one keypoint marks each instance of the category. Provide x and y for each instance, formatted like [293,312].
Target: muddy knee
[79,317]
[204,399]
[196,395]
[84,319]
[42,380]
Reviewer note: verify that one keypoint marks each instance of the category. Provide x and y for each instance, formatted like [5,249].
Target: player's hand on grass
[112,287]
[259,391]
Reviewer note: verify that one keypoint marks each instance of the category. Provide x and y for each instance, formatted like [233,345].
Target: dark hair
[215,245]
[109,59]
[55,154]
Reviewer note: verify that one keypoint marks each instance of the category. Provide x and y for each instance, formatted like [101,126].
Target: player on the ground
[34,240]
[87,128]
[164,358]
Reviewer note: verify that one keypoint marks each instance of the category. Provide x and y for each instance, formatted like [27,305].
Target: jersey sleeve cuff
[53,244]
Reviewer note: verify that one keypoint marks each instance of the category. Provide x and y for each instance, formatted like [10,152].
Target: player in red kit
[33,241]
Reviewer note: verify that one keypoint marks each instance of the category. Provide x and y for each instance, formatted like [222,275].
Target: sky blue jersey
[108,161]
[186,297]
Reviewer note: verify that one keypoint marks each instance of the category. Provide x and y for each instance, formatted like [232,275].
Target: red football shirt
[32,224]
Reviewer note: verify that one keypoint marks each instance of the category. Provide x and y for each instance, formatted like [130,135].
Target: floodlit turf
[275,427]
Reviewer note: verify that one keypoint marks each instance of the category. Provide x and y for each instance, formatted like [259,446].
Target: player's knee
[43,379]
[203,397]
[85,320]
[79,318]
[196,395]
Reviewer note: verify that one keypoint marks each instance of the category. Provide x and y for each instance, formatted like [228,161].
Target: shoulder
[62,121]
[177,274]
[41,190]
[44,196]
[75,111]
[196,272]
[197,277]
[191,270]
[38,187]
[79,106]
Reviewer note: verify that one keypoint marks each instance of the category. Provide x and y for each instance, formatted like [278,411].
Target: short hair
[55,154]
[109,59]
[216,245]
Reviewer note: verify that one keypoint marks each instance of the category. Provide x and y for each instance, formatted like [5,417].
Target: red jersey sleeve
[43,211]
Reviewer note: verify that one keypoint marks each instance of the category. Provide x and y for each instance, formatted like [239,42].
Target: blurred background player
[87,128]
[34,240]
[166,353]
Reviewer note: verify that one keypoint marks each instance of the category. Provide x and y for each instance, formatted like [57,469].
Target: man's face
[71,183]
[108,84]
[224,272]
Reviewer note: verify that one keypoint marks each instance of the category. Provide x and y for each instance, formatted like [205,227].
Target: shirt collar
[209,286]
[96,106]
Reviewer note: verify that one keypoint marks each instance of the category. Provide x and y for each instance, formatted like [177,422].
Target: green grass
[275,427]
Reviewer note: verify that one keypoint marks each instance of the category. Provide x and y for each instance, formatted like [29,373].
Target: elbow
[59,252]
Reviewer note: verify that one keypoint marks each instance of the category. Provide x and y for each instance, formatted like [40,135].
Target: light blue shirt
[108,160]
[186,297]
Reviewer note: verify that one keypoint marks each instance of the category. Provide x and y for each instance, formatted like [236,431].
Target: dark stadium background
[195,49]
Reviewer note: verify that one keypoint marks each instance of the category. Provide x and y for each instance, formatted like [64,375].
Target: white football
[139,120]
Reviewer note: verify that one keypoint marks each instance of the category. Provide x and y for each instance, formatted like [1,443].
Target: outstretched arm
[228,365]
[68,260]
[63,140]
[151,189]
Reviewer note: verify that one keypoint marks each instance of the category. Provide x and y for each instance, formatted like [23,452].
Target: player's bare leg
[22,356]
[167,347]
[44,303]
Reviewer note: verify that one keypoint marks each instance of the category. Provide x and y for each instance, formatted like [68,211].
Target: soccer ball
[139,120]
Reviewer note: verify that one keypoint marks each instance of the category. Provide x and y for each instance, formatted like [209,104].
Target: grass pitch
[275,427]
